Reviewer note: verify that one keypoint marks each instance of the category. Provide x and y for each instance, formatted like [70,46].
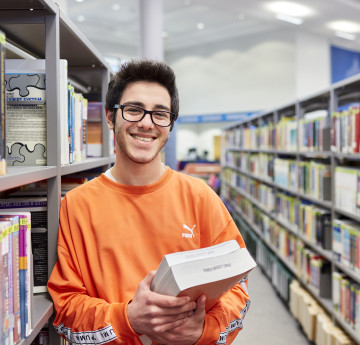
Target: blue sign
[344,63]
[214,117]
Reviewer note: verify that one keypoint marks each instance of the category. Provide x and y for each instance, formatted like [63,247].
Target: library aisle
[268,320]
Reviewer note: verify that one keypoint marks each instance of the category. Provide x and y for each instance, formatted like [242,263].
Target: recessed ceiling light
[79,0]
[80,18]
[345,35]
[288,8]
[289,19]
[344,26]
[116,7]
[200,26]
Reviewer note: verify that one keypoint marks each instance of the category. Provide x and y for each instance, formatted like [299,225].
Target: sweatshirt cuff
[120,321]
[211,331]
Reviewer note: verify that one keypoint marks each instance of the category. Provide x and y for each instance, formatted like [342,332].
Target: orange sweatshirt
[112,235]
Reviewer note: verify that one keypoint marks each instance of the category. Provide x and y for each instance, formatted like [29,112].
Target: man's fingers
[181,303]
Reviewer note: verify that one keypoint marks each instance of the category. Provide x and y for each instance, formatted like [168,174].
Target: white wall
[313,67]
[241,74]
[247,73]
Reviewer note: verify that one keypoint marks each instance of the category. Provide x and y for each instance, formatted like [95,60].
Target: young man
[115,229]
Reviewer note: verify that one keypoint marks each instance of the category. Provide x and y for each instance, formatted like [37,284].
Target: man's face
[142,141]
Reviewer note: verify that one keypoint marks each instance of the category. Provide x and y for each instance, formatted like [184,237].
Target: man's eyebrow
[142,105]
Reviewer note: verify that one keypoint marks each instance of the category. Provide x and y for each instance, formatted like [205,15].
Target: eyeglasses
[134,113]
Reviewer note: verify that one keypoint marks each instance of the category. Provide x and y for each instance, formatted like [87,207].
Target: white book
[64,122]
[209,271]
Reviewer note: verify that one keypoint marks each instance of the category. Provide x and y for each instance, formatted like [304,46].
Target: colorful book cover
[24,269]
[6,228]
[16,318]
[5,286]
[38,209]
[25,89]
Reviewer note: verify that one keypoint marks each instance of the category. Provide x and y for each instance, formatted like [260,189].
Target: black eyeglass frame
[150,112]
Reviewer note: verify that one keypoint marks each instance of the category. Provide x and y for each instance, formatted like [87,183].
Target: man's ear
[109,118]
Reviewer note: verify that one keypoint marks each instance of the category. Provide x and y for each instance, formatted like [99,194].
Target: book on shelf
[346,243]
[64,123]
[94,129]
[2,105]
[37,206]
[77,124]
[314,132]
[346,129]
[25,88]
[6,330]
[14,283]
[209,271]
[346,188]
[24,219]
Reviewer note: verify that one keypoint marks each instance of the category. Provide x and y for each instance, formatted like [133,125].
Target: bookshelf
[285,175]
[38,29]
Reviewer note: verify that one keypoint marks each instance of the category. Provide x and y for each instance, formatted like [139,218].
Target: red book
[357,130]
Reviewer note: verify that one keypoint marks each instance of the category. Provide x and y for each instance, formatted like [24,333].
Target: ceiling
[113,25]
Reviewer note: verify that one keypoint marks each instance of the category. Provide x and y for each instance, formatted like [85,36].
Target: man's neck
[136,174]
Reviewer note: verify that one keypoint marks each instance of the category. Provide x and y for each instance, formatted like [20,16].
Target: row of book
[315,271]
[24,267]
[23,112]
[315,322]
[311,178]
[314,132]
[310,267]
[286,134]
[346,299]
[15,289]
[347,189]
[346,243]
[342,236]
[314,223]
[278,274]
[258,164]
[346,130]
[308,177]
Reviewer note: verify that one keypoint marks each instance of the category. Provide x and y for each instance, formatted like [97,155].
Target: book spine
[16,283]
[5,330]
[23,268]
[2,105]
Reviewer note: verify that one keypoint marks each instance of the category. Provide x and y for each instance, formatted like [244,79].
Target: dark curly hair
[142,70]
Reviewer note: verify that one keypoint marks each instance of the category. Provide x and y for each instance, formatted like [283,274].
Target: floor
[268,320]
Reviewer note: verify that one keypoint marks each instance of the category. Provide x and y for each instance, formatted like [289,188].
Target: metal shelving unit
[328,100]
[38,29]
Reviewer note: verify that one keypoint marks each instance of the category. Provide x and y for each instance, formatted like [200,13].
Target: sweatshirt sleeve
[80,317]
[224,321]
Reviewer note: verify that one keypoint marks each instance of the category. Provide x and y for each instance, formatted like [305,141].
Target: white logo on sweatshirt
[187,235]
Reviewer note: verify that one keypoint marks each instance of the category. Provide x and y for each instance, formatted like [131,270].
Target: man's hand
[189,332]
[165,319]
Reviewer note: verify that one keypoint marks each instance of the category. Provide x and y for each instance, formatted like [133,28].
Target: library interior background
[269,118]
